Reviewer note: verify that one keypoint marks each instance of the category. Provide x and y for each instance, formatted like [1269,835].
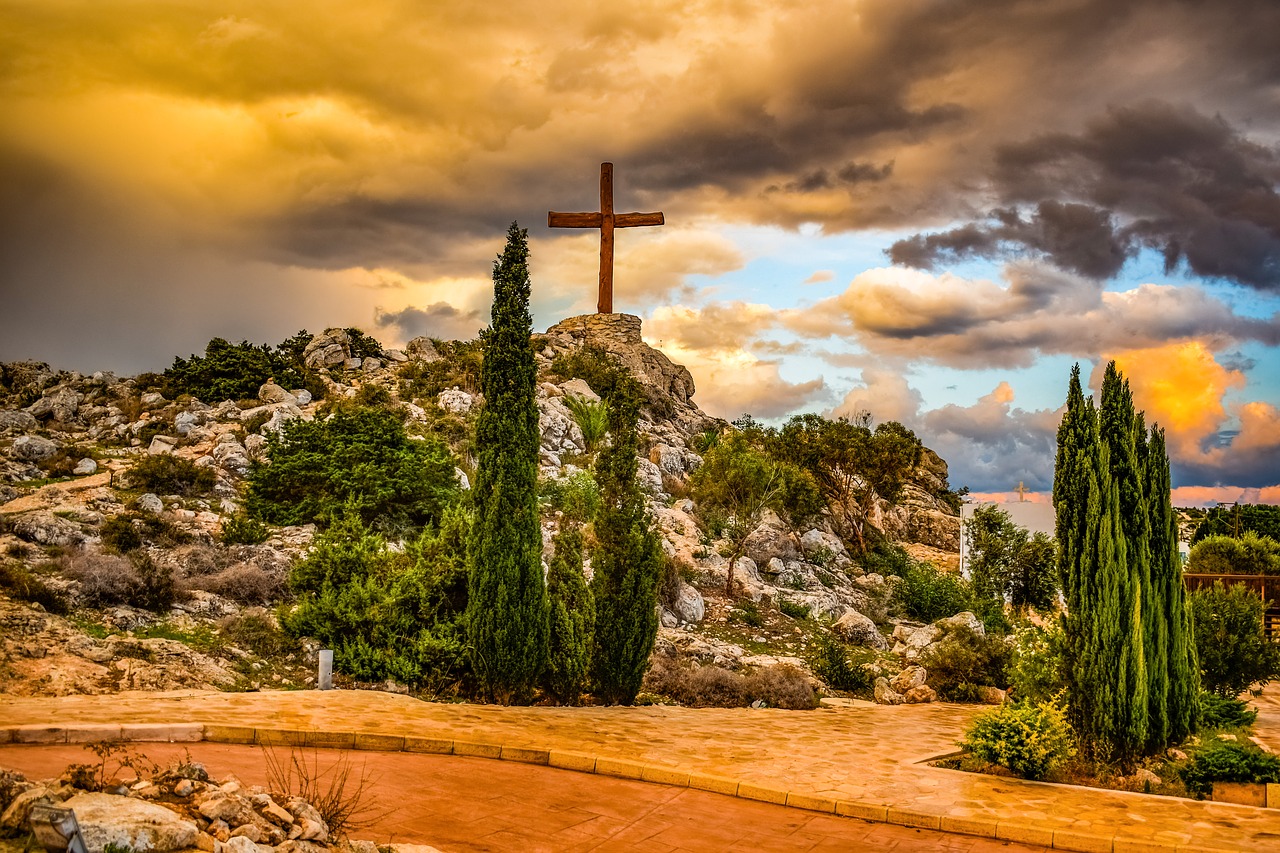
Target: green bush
[359,461]
[1251,554]
[830,661]
[166,474]
[792,609]
[240,529]
[929,594]
[592,417]
[1234,652]
[229,371]
[156,588]
[1221,712]
[884,557]
[577,496]
[748,614]
[1029,739]
[458,366]
[119,535]
[255,630]
[1228,761]
[964,660]
[24,585]
[1037,666]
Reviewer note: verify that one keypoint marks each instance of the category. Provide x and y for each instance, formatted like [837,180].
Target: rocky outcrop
[129,824]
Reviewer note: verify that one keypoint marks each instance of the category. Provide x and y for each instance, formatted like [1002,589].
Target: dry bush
[339,797]
[104,578]
[200,560]
[782,686]
[244,583]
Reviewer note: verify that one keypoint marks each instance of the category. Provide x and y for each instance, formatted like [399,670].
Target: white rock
[150,503]
[270,392]
[302,396]
[579,388]
[690,606]
[126,822]
[85,467]
[33,448]
[16,421]
[912,676]
[162,445]
[886,695]
[854,627]
[455,400]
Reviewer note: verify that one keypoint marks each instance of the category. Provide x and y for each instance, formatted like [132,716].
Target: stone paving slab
[862,757]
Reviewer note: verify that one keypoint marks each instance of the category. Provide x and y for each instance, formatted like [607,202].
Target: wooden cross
[606,220]
[1022,492]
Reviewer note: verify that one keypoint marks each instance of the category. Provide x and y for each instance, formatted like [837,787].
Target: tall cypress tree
[507,600]
[1124,435]
[1107,680]
[1183,709]
[627,560]
[571,618]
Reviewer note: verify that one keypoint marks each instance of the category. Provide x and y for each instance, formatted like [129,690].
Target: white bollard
[326,670]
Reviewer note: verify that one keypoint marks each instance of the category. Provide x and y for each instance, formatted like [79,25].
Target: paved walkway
[461,804]
[862,755]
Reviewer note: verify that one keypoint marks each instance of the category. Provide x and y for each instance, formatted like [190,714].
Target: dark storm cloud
[1152,175]
[440,320]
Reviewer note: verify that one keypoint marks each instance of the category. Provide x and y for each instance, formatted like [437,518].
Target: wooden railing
[1267,586]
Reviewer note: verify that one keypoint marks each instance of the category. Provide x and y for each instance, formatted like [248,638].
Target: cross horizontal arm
[630,220]
[574,220]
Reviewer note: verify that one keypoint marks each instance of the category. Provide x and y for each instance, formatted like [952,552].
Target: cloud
[438,320]
[1037,310]
[883,393]
[1204,496]
[819,276]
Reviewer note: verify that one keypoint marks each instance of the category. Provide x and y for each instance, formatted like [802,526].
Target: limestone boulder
[130,823]
[857,629]
[162,445]
[558,430]
[578,388]
[920,694]
[690,607]
[16,421]
[34,448]
[455,400]
[822,547]
[421,349]
[963,619]
[912,676]
[273,393]
[85,467]
[885,694]
[150,503]
[44,528]
[772,539]
[331,348]
[18,811]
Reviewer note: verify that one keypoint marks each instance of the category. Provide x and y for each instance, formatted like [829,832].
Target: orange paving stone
[862,754]
[462,804]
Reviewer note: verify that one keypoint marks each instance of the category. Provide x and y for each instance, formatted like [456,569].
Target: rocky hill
[71,444]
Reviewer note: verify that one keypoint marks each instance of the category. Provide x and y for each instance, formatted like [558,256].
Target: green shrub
[792,609]
[229,371]
[254,425]
[458,365]
[964,660]
[1037,666]
[1234,652]
[577,496]
[830,661]
[929,594]
[592,417]
[884,557]
[359,461]
[255,630]
[1221,712]
[166,474]
[119,534]
[748,614]
[156,588]
[240,529]
[1228,761]
[24,585]
[1251,554]
[1029,739]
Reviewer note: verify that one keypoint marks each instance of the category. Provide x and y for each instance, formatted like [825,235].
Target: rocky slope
[67,441]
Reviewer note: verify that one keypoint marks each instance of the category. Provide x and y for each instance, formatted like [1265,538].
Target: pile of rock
[179,808]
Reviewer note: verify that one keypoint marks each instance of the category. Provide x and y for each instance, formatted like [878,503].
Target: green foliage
[1223,712]
[166,474]
[362,345]
[240,529]
[156,587]
[963,660]
[831,662]
[229,371]
[119,534]
[737,483]
[22,584]
[793,609]
[928,593]
[1251,554]
[748,614]
[1037,665]
[1007,563]
[884,557]
[577,496]
[1233,650]
[627,560]
[1263,519]
[458,366]
[1029,739]
[592,417]
[571,620]
[507,609]
[1228,761]
[386,614]
[852,466]
[360,460]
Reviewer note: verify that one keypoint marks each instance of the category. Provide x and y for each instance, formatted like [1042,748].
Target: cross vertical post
[606,220]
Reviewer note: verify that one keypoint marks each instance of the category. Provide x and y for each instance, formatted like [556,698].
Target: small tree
[1233,650]
[735,486]
[571,619]
[1009,564]
[627,559]
[507,605]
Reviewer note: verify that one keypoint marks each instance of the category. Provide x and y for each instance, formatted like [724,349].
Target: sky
[925,209]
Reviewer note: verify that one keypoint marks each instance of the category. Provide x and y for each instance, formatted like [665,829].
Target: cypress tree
[571,619]
[627,560]
[1183,709]
[1120,428]
[507,601]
